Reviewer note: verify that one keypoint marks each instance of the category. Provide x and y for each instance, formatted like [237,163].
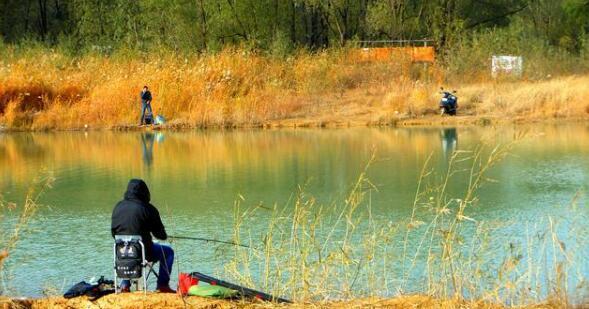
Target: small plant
[19,217]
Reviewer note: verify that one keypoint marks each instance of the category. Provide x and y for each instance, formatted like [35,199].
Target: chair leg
[144,285]
[116,283]
[148,270]
[152,271]
[114,261]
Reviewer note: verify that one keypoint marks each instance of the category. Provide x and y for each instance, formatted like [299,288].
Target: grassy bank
[44,89]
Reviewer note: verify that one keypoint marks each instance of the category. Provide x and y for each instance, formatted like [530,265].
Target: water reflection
[147,141]
[449,138]
[251,162]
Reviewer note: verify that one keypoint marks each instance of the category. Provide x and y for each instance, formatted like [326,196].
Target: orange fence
[413,53]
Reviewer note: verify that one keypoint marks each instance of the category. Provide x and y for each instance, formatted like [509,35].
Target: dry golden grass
[49,90]
[229,88]
[557,98]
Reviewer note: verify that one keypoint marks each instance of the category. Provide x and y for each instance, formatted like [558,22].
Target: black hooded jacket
[134,215]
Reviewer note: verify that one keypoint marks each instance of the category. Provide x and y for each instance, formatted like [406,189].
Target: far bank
[233,89]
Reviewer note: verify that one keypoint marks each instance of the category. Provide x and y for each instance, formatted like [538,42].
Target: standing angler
[134,215]
[145,103]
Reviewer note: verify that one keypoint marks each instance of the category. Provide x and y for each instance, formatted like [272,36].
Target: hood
[137,190]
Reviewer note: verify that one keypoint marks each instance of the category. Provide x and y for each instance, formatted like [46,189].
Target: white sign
[508,65]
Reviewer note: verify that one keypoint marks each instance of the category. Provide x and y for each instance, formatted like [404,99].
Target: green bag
[211,291]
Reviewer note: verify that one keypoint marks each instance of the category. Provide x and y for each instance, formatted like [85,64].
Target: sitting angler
[134,215]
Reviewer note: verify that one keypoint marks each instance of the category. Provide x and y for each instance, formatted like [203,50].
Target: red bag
[185,281]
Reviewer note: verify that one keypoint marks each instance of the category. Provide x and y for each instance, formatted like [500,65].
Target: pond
[195,178]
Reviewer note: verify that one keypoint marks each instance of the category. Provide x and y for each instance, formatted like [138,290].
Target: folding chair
[130,262]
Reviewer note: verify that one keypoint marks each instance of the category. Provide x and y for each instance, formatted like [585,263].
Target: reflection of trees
[278,156]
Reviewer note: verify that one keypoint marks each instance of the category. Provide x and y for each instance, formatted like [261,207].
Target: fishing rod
[210,240]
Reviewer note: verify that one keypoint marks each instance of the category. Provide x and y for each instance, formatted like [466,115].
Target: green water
[195,177]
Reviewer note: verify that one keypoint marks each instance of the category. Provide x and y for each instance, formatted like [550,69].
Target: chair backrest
[129,256]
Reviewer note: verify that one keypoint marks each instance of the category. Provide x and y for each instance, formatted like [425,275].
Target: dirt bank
[172,301]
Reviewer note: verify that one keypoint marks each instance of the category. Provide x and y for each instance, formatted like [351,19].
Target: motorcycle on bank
[448,103]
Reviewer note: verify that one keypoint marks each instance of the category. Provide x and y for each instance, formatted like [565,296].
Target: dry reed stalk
[12,233]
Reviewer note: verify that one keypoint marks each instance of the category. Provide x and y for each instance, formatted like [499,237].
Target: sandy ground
[173,301]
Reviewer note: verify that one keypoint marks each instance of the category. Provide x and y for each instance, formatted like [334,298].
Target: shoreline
[415,122]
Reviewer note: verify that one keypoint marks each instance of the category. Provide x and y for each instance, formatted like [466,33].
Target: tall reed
[313,252]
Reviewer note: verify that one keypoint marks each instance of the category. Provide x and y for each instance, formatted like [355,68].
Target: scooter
[448,103]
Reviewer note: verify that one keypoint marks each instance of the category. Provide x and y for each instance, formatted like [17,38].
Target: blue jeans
[165,256]
[144,106]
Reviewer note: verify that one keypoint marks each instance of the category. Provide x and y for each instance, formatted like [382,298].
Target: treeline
[284,25]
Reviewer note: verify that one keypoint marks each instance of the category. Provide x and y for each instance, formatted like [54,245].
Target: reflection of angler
[449,140]
[147,140]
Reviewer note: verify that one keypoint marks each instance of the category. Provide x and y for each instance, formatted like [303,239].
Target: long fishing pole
[210,240]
